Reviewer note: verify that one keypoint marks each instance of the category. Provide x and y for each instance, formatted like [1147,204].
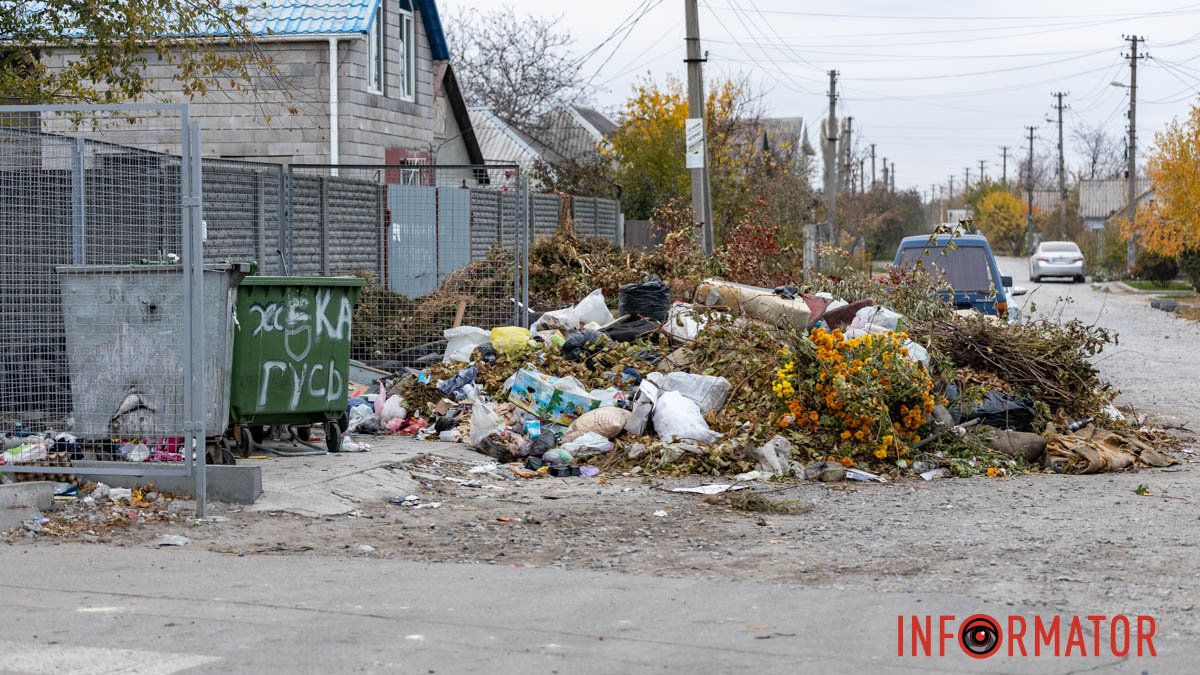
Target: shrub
[1189,264]
[1156,268]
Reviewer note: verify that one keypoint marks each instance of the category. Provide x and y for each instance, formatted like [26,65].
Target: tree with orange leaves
[1170,223]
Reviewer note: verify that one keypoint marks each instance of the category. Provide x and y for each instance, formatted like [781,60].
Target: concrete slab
[240,484]
[21,501]
[333,485]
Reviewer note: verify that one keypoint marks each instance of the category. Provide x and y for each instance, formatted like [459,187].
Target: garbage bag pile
[764,382]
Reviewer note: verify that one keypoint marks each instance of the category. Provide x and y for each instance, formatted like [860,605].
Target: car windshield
[965,269]
[1059,247]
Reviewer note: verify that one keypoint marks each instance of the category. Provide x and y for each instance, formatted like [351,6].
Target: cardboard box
[539,394]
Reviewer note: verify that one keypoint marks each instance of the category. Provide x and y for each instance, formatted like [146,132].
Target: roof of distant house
[598,120]
[1100,199]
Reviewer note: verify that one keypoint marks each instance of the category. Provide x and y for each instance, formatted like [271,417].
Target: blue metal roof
[311,17]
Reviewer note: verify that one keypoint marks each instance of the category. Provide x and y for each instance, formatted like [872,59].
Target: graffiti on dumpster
[303,329]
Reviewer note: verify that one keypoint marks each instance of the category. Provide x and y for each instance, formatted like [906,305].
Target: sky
[936,86]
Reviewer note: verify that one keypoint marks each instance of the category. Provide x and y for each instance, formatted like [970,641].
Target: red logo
[981,636]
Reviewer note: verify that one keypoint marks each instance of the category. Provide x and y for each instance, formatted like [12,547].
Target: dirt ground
[1068,542]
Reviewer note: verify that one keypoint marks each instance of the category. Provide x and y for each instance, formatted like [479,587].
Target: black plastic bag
[1003,411]
[582,344]
[649,299]
[628,331]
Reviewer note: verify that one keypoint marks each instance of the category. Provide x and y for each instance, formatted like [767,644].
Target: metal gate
[102,292]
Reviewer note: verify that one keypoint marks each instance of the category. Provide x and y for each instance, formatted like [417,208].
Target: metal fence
[440,245]
[101,352]
[112,238]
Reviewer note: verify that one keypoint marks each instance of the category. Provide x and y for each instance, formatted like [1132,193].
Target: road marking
[101,610]
[56,659]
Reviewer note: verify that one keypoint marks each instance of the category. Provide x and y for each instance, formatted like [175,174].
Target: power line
[831,15]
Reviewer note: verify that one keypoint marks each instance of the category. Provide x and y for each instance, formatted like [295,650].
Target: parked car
[969,267]
[1056,259]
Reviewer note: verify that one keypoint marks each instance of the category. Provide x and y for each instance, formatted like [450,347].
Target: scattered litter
[483,468]
[660,514]
[173,540]
[859,474]
[117,494]
[936,473]
[589,471]
[713,489]
[366,548]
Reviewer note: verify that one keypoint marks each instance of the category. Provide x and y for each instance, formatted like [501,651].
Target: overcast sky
[937,86]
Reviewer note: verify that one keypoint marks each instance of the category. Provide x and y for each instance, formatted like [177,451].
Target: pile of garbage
[93,511]
[759,383]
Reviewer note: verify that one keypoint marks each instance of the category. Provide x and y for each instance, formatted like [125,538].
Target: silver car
[1056,259]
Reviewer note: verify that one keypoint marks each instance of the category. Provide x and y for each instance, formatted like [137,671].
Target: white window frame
[408,54]
[377,53]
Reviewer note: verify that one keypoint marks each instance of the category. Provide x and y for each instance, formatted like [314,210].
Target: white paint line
[56,659]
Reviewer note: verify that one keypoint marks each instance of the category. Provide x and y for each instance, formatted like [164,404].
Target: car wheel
[1035,279]
[1079,279]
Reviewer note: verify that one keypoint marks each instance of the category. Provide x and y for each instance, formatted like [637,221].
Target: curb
[1160,293]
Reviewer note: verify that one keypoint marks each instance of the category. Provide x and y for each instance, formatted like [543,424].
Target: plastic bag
[587,445]
[1003,411]
[608,422]
[509,339]
[628,331]
[681,323]
[917,352]
[393,409]
[707,391]
[461,342]
[650,299]
[359,415]
[877,320]
[484,423]
[557,320]
[458,387]
[582,344]
[678,417]
[593,309]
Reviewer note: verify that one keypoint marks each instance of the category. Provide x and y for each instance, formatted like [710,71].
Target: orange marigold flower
[846,461]
[845,435]
[880,453]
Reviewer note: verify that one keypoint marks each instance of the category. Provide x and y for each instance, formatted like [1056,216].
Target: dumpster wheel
[333,436]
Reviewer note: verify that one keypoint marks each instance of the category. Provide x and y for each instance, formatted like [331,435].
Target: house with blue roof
[371,81]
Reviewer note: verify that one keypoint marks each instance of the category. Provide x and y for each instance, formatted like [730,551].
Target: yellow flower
[880,453]
[992,471]
[845,435]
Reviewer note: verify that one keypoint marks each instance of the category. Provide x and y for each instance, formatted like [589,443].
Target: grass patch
[1143,285]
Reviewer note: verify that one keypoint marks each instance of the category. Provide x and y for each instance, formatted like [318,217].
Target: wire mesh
[92,290]
[438,246]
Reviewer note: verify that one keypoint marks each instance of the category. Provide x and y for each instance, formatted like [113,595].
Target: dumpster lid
[351,282]
[240,268]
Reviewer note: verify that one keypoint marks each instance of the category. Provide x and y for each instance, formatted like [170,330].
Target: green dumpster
[291,354]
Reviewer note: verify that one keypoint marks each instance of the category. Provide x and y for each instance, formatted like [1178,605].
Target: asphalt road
[1154,365]
[75,608]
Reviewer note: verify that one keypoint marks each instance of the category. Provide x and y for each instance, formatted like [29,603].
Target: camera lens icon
[979,636]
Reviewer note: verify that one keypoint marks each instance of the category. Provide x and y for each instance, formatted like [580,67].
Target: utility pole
[885,175]
[951,189]
[847,166]
[1062,171]
[701,192]
[1029,192]
[862,177]
[981,175]
[1004,164]
[872,166]
[933,205]
[1131,150]
[893,175]
[831,159]
[966,181]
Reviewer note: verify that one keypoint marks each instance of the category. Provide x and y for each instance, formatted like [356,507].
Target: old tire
[333,436]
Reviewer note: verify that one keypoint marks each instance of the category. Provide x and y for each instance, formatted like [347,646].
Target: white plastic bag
[359,414]
[559,319]
[917,353]
[681,323]
[707,391]
[876,320]
[462,341]
[587,445]
[593,309]
[393,409]
[484,423]
[678,417]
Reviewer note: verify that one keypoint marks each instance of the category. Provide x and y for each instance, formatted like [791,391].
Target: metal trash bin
[125,346]
[291,354]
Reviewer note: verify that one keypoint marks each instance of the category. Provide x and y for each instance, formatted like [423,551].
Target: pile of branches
[565,267]
[1043,359]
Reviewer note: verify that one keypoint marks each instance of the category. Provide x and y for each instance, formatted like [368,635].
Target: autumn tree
[111,43]
[1102,154]
[1001,218]
[647,150]
[1170,224]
